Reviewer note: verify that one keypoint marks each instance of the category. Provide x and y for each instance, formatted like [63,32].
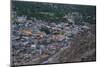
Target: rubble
[36,38]
[43,33]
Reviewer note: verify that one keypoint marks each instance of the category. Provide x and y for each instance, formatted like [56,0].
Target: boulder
[40,35]
[27,32]
[58,37]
